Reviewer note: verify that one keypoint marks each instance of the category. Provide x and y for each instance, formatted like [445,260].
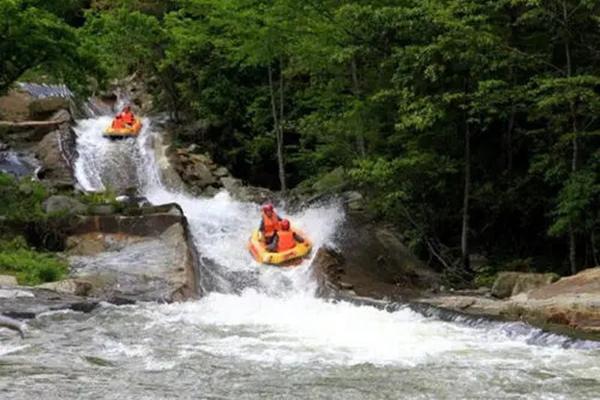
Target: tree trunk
[575,145]
[360,140]
[594,253]
[278,130]
[464,242]
[509,132]
[280,142]
[572,248]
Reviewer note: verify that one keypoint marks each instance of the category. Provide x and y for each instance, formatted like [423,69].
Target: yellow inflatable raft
[122,133]
[262,255]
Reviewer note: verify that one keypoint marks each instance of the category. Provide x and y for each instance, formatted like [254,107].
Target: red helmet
[267,207]
[285,224]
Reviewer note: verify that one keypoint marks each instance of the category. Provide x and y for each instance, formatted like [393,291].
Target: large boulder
[372,260]
[570,305]
[55,152]
[146,255]
[197,171]
[573,302]
[509,284]
[30,111]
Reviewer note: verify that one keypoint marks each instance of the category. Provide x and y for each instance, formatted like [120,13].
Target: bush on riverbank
[21,200]
[29,266]
[23,215]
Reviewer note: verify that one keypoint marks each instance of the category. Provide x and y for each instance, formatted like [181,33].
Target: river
[261,333]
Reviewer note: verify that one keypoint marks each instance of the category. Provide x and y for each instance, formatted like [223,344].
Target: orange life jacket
[128,118]
[270,224]
[286,240]
[118,123]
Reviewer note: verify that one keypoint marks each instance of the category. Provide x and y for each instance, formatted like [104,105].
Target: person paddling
[284,239]
[124,119]
[127,116]
[269,223]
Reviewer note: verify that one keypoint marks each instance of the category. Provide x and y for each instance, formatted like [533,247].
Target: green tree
[34,38]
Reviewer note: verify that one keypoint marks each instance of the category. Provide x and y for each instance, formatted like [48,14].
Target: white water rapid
[260,332]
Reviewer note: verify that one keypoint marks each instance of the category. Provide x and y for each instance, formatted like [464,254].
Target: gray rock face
[54,153]
[63,204]
[145,257]
[372,260]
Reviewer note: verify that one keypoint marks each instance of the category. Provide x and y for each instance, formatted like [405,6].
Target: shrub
[31,267]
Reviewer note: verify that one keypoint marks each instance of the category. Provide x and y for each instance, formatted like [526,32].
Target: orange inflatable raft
[122,133]
[262,255]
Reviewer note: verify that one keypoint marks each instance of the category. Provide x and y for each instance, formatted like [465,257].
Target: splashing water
[261,333]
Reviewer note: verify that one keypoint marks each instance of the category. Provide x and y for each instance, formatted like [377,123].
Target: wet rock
[326,263]
[63,204]
[354,201]
[28,302]
[77,287]
[195,170]
[512,283]
[55,154]
[13,324]
[145,256]
[374,261]
[199,175]
[8,280]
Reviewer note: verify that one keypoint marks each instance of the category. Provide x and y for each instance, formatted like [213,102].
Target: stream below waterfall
[260,332]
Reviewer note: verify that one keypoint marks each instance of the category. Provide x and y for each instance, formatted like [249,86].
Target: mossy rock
[333,181]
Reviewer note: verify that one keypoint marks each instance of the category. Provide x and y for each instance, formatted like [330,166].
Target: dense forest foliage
[472,125]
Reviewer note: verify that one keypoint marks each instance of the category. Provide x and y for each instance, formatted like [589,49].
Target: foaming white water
[220,225]
[270,315]
[297,329]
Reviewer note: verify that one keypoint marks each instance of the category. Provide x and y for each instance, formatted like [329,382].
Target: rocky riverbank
[139,254]
[570,305]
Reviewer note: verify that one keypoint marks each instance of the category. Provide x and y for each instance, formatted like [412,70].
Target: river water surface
[260,332]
